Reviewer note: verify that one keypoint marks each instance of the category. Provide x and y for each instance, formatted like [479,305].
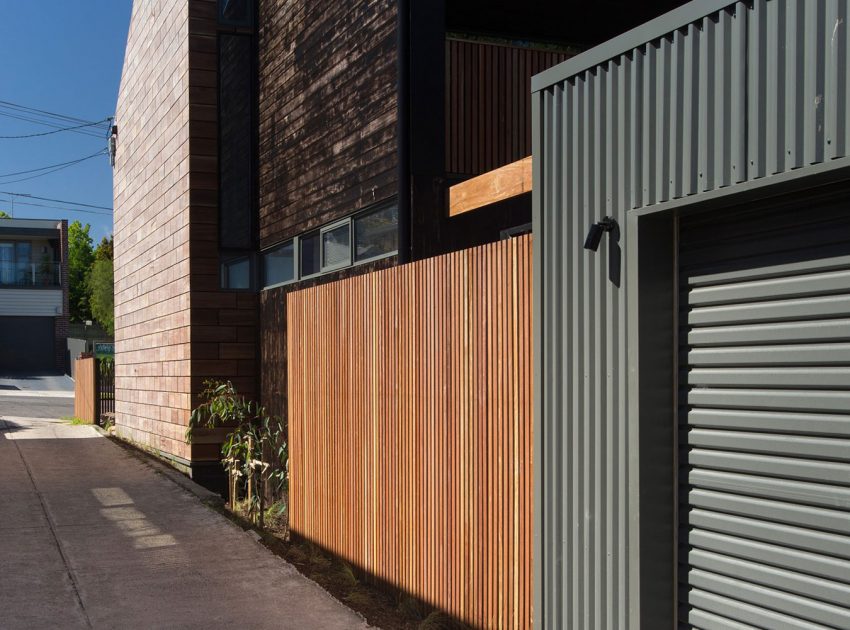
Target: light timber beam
[503,183]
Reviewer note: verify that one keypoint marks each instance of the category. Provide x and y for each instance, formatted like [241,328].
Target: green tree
[3,215]
[101,296]
[80,259]
[104,250]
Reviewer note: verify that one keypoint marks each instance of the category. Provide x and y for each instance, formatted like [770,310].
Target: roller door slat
[736,609]
[786,354]
[776,555]
[819,518]
[825,543]
[808,423]
[772,443]
[828,591]
[815,378]
[774,288]
[778,311]
[835,330]
[788,467]
[800,400]
[779,601]
[825,495]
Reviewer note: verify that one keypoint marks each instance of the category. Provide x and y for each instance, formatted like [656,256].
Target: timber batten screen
[410,427]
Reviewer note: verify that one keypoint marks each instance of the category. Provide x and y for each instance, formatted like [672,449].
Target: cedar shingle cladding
[327,111]
[165,187]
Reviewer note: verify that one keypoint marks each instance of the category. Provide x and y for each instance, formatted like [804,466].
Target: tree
[101,296]
[80,258]
[104,250]
[3,215]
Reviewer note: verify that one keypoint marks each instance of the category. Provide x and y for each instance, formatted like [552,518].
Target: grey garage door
[26,345]
[764,408]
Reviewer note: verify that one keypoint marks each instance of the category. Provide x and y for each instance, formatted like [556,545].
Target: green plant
[74,420]
[254,451]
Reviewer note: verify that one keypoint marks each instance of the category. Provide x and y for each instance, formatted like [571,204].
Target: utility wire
[44,112]
[83,132]
[58,168]
[47,133]
[48,119]
[45,168]
[70,203]
[41,205]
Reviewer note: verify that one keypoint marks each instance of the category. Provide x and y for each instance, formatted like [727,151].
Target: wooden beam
[503,183]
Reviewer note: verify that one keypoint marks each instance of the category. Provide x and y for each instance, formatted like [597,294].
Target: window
[336,246]
[279,265]
[235,12]
[310,258]
[236,273]
[376,233]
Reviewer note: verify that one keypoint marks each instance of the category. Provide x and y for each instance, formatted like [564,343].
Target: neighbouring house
[267,146]
[33,296]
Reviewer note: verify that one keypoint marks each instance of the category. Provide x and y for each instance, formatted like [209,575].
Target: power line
[47,133]
[83,132]
[41,205]
[45,168]
[58,168]
[45,113]
[70,203]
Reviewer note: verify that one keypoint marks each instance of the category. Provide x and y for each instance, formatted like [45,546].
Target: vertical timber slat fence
[410,428]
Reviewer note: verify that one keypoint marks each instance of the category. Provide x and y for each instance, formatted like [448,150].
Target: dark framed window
[236,273]
[236,12]
[376,233]
[336,246]
[311,259]
[279,265]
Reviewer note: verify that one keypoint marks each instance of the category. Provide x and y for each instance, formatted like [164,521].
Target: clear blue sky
[62,57]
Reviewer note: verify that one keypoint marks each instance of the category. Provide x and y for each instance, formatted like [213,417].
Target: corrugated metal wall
[704,101]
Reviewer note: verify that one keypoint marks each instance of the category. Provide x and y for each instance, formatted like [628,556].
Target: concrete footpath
[92,536]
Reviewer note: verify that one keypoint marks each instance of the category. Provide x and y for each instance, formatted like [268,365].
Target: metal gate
[764,430]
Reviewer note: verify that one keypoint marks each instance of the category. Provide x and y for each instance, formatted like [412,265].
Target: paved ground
[42,386]
[91,536]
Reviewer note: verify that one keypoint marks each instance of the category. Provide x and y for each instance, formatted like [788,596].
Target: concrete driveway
[93,536]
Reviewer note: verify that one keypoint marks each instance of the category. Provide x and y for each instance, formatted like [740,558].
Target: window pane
[235,12]
[310,254]
[279,265]
[236,274]
[376,233]
[336,247]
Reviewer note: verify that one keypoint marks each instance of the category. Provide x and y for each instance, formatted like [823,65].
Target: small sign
[104,349]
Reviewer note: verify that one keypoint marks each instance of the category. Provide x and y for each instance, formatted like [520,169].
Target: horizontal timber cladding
[713,95]
[488,103]
[410,427]
[327,111]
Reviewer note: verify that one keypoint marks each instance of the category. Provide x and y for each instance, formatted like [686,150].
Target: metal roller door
[764,417]
[27,345]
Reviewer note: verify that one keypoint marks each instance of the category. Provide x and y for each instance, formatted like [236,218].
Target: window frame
[332,227]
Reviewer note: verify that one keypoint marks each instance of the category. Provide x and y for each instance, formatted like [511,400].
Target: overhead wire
[51,119]
[71,203]
[54,170]
[48,133]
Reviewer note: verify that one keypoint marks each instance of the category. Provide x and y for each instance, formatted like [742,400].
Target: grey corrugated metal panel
[831,545]
[776,555]
[801,400]
[836,521]
[806,308]
[830,330]
[778,422]
[815,377]
[826,472]
[771,443]
[31,302]
[787,581]
[772,599]
[772,488]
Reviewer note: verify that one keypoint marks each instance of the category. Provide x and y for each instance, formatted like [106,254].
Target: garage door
[764,430]
[26,345]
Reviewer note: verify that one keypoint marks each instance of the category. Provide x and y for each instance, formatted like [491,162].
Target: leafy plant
[254,451]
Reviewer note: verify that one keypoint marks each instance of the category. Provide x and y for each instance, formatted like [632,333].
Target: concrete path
[42,386]
[92,536]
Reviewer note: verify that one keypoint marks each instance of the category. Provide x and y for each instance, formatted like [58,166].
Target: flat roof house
[33,295]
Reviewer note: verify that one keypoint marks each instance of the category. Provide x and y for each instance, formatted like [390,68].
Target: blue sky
[62,57]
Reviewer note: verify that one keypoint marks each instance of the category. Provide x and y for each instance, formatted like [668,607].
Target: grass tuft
[74,420]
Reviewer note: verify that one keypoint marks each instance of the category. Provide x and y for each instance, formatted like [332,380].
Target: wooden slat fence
[410,427]
[84,389]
